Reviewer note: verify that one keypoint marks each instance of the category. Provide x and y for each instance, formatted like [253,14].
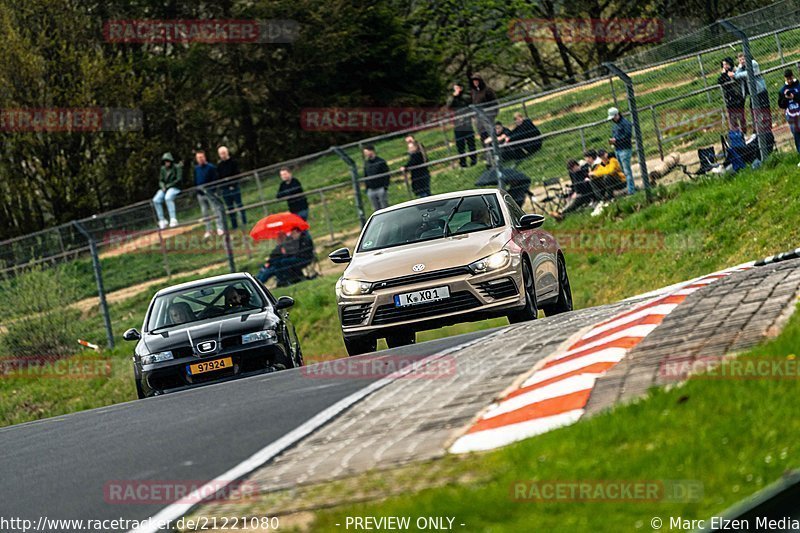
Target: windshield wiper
[446,231]
[492,215]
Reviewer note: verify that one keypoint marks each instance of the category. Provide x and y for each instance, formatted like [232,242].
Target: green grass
[731,437]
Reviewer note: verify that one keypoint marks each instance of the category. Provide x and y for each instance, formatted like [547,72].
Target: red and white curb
[556,394]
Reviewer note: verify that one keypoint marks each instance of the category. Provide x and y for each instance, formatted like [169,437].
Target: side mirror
[132,335]
[531,221]
[284,302]
[342,255]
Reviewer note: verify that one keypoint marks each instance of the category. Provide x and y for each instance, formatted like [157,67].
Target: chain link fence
[684,104]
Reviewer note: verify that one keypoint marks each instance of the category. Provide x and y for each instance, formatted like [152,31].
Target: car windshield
[203,302]
[431,220]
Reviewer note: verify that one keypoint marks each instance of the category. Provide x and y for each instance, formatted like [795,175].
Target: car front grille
[498,288]
[424,276]
[458,301]
[353,315]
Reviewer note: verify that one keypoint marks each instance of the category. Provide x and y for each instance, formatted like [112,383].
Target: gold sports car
[446,259]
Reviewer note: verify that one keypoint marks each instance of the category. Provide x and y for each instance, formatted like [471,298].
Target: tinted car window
[203,302]
[514,210]
[431,220]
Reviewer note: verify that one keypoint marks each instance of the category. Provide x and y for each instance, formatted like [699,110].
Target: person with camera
[789,101]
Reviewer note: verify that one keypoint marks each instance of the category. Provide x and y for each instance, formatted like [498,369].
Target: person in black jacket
[462,125]
[483,96]
[734,99]
[286,262]
[417,166]
[377,184]
[290,188]
[231,193]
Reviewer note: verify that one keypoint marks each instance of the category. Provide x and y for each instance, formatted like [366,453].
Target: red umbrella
[271,226]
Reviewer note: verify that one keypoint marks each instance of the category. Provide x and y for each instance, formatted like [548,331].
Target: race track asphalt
[58,467]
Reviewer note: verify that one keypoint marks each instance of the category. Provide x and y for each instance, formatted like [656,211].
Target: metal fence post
[780,48]
[222,215]
[354,179]
[260,191]
[324,202]
[161,242]
[658,132]
[98,277]
[637,130]
[703,73]
[751,85]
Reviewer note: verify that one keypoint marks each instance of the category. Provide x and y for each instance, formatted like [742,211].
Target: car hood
[212,328]
[437,254]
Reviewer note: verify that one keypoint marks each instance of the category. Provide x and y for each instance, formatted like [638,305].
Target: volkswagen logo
[207,346]
[419,267]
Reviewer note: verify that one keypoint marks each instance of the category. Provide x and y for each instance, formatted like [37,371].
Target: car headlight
[156,358]
[353,287]
[495,261]
[256,336]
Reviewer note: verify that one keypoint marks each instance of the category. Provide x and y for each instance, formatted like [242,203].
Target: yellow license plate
[211,366]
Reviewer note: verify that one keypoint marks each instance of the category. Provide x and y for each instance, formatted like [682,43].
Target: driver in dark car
[235,297]
[180,313]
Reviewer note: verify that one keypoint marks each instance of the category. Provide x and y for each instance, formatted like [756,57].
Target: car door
[541,248]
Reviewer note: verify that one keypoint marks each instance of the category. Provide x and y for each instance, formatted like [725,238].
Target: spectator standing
[458,104]
[377,183]
[417,166]
[205,174]
[734,99]
[621,134]
[291,188]
[789,101]
[760,104]
[169,179]
[231,192]
[483,96]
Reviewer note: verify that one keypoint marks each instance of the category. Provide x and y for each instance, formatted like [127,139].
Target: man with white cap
[621,132]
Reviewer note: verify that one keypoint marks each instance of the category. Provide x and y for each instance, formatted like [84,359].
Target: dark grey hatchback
[212,330]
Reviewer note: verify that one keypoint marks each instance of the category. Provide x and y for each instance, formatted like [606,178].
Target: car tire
[530,311]
[298,357]
[139,391]
[360,345]
[402,338]
[564,302]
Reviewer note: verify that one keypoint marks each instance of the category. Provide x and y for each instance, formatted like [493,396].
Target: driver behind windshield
[180,313]
[479,219]
[235,297]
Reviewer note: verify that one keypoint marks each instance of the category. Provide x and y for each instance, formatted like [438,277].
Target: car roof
[444,196]
[236,276]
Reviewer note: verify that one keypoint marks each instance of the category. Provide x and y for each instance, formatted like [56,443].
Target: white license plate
[421,297]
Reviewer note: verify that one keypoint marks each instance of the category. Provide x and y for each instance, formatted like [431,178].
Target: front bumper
[472,297]
[174,375]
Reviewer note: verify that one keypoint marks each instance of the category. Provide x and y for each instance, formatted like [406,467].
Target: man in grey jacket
[760,103]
